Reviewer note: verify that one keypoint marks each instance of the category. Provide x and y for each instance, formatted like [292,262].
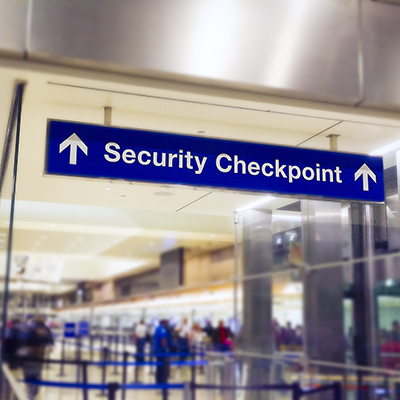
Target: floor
[145,375]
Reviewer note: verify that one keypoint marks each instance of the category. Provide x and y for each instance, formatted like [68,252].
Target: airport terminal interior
[251,286]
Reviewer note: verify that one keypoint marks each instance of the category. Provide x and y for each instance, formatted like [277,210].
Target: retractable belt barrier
[112,387]
[143,354]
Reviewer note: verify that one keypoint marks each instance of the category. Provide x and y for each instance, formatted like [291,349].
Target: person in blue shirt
[162,344]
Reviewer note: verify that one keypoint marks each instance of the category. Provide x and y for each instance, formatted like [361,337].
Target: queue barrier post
[109,342]
[124,343]
[296,391]
[193,375]
[91,347]
[62,358]
[78,348]
[337,391]
[116,342]
[78,357]
[165,393]
[104,370]
[85,380]
[112,390]
[397,391]
[359,385]
[136,372]
[124,374]
[101,340]
[152,358]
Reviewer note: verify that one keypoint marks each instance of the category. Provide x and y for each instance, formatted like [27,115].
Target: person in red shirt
[222,337]
[390,352]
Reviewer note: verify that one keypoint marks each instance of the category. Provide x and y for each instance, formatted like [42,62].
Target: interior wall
[209,267]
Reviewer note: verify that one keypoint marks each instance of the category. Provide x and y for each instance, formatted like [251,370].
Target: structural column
[365,341]
[323,288]
[257,294]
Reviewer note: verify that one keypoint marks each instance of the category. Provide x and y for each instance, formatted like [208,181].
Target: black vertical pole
[101,341]
[165,369]
[116,340]
[78,357]
[62,358]
[193,375]
[125,366]
[91,347]
[359,385]
[84,380]
[296,391]
[152,358]
[123,343]
[337,391]
[112,390]
[104,370]
[136,372]
[397,389]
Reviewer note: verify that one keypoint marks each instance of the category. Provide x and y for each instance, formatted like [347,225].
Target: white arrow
[365,172]
[74,142]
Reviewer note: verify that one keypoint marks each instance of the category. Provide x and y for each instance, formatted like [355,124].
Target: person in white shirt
[140,335]
[183,338]
[197,336]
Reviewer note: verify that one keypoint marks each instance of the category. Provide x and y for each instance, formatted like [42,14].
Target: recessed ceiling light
[52,225]
[107,188]
[212,235]
[166,194]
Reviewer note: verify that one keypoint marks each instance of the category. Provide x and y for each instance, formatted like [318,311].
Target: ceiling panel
[358,137]
[125,228]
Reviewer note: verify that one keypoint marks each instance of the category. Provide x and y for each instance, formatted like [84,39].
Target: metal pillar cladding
[365,338]
[392,202]
[257,296]
[323,288]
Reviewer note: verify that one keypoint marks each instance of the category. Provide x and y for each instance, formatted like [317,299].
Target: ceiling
[94,229]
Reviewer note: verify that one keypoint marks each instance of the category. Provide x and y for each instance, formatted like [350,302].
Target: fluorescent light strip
[255,204]
[386,149]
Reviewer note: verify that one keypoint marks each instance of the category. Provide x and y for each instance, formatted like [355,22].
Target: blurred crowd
[286,337]
[181,340]
[390,346]
[24,346]
[182,337]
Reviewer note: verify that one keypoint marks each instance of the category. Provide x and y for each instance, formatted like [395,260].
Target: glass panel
[7,199]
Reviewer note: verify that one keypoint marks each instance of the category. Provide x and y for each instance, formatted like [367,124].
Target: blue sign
[69,329]
[83,328]
[94,151]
